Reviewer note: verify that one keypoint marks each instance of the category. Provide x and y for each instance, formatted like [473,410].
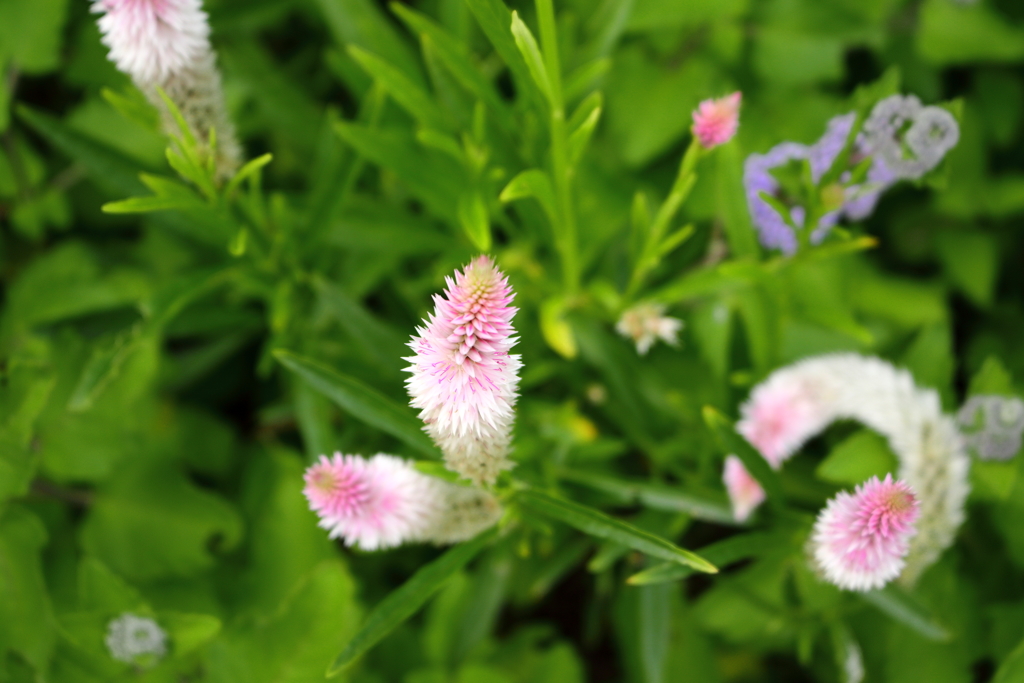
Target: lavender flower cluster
[904,139]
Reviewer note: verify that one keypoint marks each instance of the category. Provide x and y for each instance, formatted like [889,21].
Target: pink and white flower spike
[384,501]
[860,540]
[716,121]
[377,503]
[745,493]
[152,39]
[464,380]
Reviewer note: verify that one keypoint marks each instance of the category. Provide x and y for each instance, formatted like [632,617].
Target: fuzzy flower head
[647,323]
[992,426]
[153,39]
[745,493]
[375,503]
[131,638]
[715,121]
[384,501]
[463,379]
[860,539]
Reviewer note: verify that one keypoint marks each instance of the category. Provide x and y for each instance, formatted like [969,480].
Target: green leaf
[857,458]
[435,179]
[376,338]
[101,368]
[251,168]
[580,137]
[556,329]
[150,522]
[898,605]
[26,617]
[600,525]
[475,220]
[970,259]
[952,33]
[456,58]
[731,202]
[31,34]
[405,601]
[530,52]
[992,378]
[495,20]
[1011,670]
[655,624]
[721,553]
[533,183]
[732,443]
[363,402]
[363,23]
[189,632]
[655,496]
[294,642]
[416,101]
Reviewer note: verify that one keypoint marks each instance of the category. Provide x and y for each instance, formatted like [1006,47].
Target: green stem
[681,188]
[566,237]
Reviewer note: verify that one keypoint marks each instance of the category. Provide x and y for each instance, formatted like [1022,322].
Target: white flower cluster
[910,138]
[992,426]
[647,323]
[130,637]
[798,401]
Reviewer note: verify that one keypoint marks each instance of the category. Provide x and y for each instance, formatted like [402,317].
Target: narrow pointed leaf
[361,401]
[600,525]
[655,496]
[530,52]
[405,92]
[402,603]
[722,553]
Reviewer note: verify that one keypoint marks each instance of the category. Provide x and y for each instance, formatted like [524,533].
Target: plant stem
[561,169]
[681,188]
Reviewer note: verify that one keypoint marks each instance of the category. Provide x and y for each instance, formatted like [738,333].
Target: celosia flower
[385,501]
[646,323]
[715,121]
[464,380]
[859,540]
[745,493]
[796,402]
[130,637]
[992,426]
[164,44]
[377,503]
[911,139]
[152,39]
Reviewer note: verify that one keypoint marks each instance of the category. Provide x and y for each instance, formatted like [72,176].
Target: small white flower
[647,323]
[992,426]
[911,139]
[130,637]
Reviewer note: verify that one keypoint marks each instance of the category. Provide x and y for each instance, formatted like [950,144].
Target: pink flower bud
[860,540]
[715,121]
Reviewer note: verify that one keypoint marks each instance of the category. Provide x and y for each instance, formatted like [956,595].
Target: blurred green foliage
[158,402]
